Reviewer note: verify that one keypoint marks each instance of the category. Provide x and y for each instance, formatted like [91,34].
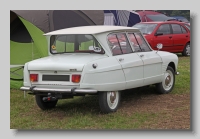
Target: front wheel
[109,101]
[44,105]
[167,83]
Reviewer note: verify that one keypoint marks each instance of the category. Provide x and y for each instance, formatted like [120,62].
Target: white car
[101,60]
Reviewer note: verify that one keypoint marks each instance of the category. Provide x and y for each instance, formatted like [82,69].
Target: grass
[182,84]
[138,109]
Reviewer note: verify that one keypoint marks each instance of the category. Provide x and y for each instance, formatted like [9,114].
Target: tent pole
[24,94]
[32,49]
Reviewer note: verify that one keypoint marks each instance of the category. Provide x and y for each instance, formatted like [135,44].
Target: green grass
[182,84]
[84,112]
[79,113]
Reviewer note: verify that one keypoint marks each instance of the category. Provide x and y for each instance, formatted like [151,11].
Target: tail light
[33,77]
[76,78]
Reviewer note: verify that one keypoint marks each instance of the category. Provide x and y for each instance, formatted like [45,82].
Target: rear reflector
[76,78]
[33,77]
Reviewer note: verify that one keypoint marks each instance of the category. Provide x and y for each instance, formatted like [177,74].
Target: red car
[174,35]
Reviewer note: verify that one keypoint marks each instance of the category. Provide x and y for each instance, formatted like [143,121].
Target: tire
[44,105]
[109,101]
[167,84]
[186,51]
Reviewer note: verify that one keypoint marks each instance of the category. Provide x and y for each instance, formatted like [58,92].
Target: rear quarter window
[176,29]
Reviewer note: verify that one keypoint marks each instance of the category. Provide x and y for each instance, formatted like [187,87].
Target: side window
[176,29]
[119,44]
[183,29]
[134,42]
[141,42]
[165,29]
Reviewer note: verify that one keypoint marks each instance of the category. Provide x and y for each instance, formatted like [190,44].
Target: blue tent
[121,17]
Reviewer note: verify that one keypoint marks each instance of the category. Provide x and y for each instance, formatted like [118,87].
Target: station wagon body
[101,60]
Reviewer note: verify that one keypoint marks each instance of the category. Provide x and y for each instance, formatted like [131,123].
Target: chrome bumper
[73,90]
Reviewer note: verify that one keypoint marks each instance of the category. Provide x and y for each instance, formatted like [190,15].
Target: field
[141,108]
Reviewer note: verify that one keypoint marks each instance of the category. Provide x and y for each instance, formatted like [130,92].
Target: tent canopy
[121,18]
[28,26]
[50,20]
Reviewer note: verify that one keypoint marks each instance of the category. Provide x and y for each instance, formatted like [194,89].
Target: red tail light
[33,77]
[76,78]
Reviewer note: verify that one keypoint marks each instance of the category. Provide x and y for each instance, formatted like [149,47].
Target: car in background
[97,60]
[175,36]
[149,16]
[181,18]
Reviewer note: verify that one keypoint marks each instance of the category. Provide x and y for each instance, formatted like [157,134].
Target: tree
[184,13]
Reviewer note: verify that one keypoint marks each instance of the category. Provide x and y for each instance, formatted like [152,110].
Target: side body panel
[132,66]
[107,76]
[168,58]
[152,67]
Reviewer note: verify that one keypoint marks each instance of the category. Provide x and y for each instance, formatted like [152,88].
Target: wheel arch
[172,64]
[186,43]
[184,49]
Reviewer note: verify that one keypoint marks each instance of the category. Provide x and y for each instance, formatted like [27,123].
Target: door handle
[141,55]
[170,37]
[121,59]
[186,35]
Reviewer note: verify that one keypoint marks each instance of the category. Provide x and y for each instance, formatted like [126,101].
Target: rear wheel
[167,83]
[44,105]
[186,51]
[109,101]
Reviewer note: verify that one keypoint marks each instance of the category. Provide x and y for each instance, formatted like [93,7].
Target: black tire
[168,82]
[186,50]
[109,101]
[44,105]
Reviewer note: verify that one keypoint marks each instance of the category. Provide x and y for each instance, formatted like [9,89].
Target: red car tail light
[76,78]
[33,77]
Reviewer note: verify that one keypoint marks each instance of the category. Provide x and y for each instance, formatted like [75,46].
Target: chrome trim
[89,91]
[25,88]
[86,91]
[51,90]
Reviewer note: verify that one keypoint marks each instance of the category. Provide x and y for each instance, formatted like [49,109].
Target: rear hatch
[57,70]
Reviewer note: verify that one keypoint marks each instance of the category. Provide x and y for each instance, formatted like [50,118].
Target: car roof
[161,22]
[91,30]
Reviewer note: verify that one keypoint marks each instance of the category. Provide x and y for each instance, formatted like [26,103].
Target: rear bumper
[50,90]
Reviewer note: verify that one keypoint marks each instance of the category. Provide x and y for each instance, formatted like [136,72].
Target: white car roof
[91,30]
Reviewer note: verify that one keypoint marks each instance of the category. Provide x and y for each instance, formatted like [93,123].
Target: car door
[152,62]
[180,37]
[163,35]
[131,63]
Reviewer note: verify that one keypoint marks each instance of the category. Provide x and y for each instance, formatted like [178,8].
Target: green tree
[184,13]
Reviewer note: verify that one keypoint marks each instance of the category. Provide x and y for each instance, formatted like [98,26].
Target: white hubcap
[187,50]
[168,80]
[112,99]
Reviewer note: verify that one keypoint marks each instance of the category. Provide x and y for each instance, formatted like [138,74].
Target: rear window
[75,43]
